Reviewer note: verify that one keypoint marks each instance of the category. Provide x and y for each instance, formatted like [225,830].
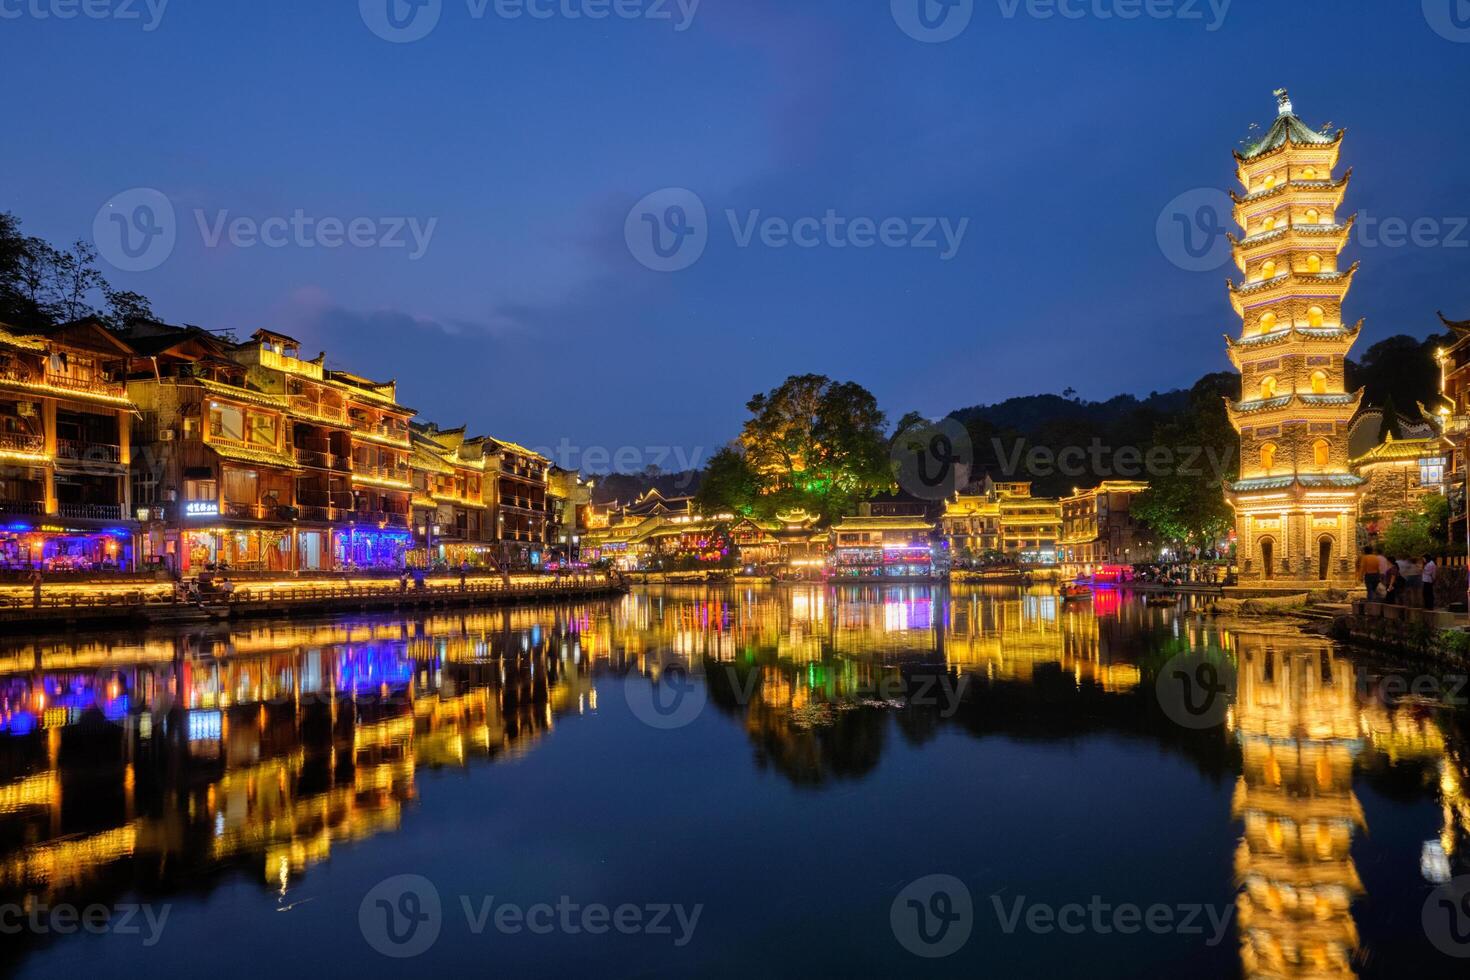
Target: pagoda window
[1319,382]
[1268,457]
[1314,262]
[1268,388]
[1316,316]
[1313,216]
[1268,223]
[1267,322]
[1309,173]
[1270,182]
[1268,269]
[1322,453]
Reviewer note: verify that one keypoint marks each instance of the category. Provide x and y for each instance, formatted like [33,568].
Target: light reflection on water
[148,763]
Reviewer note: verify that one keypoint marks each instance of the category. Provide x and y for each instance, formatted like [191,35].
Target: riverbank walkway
[99,605]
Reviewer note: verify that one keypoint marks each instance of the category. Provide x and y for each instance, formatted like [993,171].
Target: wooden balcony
[91,512]
[18,442]
[88,386]
[23,508]
[83,451]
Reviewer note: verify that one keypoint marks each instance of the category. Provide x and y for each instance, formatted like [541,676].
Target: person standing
[36,587]
[1372,573]
[1413,571]
[1429,577]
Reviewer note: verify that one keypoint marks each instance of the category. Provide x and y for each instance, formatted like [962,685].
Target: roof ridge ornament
[1283,103]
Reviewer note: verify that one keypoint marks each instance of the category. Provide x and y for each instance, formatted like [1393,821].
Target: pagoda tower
[1296,502]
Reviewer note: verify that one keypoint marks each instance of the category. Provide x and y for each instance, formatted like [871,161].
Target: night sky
[527,141]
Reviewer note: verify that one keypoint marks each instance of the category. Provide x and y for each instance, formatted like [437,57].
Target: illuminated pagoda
[1296,502]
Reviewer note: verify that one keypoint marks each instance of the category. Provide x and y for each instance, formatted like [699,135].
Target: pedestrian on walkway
[1372,573]
[36,587]
[1429,577]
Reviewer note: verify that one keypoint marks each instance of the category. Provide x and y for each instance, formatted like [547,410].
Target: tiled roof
[1400,451]
[259,457]
[260,398]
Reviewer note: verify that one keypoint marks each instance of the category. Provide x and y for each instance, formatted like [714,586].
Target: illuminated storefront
[58,548]
[371,548]
[246,550]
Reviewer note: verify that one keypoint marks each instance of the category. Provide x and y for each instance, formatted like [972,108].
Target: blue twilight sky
[1061,140]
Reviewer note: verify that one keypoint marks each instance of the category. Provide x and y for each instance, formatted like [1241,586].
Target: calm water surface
[727,781]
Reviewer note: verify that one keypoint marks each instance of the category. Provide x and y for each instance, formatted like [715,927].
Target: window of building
[1268,387]
[1314,263]
[1322,452]
[262,430]
[1319,382]
[226,422]
[1316,316]
[241,486]
[1431,471]
[1268,322]
[1268,457]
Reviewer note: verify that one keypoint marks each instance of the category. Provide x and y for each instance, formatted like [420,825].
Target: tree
[1389,429]
[817,444]
[1420,531]
[41,285]
[1186,503]
[730,484]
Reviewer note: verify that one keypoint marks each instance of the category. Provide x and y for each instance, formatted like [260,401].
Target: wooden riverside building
[65,451]
[1296,502]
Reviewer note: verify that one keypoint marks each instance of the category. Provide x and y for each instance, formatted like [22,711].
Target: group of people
[1399,581]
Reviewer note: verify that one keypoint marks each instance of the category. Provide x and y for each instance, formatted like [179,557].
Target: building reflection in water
[144,764]
[163,761]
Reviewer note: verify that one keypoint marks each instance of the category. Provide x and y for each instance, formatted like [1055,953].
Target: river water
[734,780]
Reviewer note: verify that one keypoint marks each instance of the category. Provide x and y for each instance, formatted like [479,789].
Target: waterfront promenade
[71,606]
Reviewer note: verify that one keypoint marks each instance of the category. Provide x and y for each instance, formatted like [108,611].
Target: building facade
[1397,475]
[1296,502]
[1003,520]
[65,451]
[1098,528]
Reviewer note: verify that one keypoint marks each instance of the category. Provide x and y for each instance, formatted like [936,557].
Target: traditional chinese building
[65,451]
[1296,502]
[519,506]
[215,479]
[1098,528]
[877,547]
[450,514]
[1003,519]
[376,535]
[1397,475]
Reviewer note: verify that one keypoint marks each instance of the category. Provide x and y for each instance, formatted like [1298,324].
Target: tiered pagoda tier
[1296,501]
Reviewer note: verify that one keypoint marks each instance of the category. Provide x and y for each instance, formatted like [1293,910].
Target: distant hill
[627,487]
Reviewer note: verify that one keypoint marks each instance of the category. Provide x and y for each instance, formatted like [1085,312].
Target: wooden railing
[91,512]
[19,442]
[347,592]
